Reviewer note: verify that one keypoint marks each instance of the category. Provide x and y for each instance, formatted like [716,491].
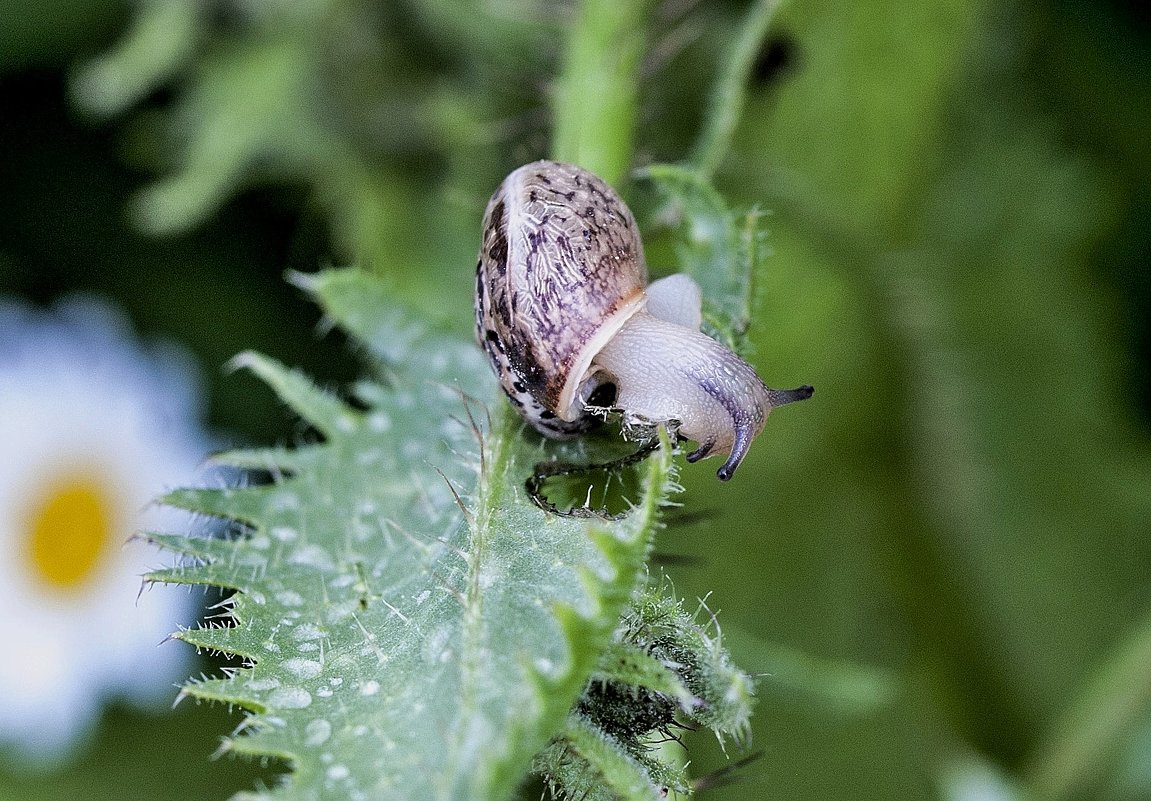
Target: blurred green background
[941,564]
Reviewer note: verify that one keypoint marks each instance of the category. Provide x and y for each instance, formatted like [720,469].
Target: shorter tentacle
[702,451]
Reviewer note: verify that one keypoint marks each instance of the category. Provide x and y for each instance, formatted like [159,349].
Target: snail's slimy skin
[562,307]
[664,371]
[677,299]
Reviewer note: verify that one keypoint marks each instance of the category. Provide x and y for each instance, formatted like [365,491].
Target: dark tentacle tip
[779,397]
[743,437]
[701,452]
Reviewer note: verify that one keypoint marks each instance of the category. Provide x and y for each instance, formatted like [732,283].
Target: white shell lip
[581,370]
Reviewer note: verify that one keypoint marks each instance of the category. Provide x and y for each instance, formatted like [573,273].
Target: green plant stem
[728,98]
[1094,726]
[596,98]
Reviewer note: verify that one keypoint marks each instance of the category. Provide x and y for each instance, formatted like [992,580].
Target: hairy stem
[729,95]
[596,98]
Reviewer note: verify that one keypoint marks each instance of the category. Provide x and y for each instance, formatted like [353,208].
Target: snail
[564,313]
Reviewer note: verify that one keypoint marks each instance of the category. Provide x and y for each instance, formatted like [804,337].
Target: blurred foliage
[959,196]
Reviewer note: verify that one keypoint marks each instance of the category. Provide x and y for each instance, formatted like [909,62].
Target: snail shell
[563,308]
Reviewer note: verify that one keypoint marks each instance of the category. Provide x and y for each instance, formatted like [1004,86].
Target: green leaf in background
[938,236]
[414,625]
[341,98]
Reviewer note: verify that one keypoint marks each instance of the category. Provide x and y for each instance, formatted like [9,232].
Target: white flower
[92,429]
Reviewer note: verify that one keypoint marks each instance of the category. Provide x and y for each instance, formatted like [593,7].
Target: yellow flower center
[70,529]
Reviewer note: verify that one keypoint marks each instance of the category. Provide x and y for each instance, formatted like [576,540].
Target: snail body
[563,309]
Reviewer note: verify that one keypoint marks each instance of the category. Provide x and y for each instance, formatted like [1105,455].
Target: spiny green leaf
[271,460]
[730,91]
[419,628]
[235,640]
[321,408]
[162,39]
[240,505]
[587,763]
[632,665]
[195,547]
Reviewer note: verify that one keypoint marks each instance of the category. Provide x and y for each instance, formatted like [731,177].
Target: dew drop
[370,687]
[283,501]
[289,698]
[303,668]
[312,556]
[317,732]
[437,644]
[284,533]
[379,422]
[369,457]
[488,577]
[307,631]
[290,598]
[266,683]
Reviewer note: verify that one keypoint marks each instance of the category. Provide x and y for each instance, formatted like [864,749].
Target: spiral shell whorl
[560,265]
